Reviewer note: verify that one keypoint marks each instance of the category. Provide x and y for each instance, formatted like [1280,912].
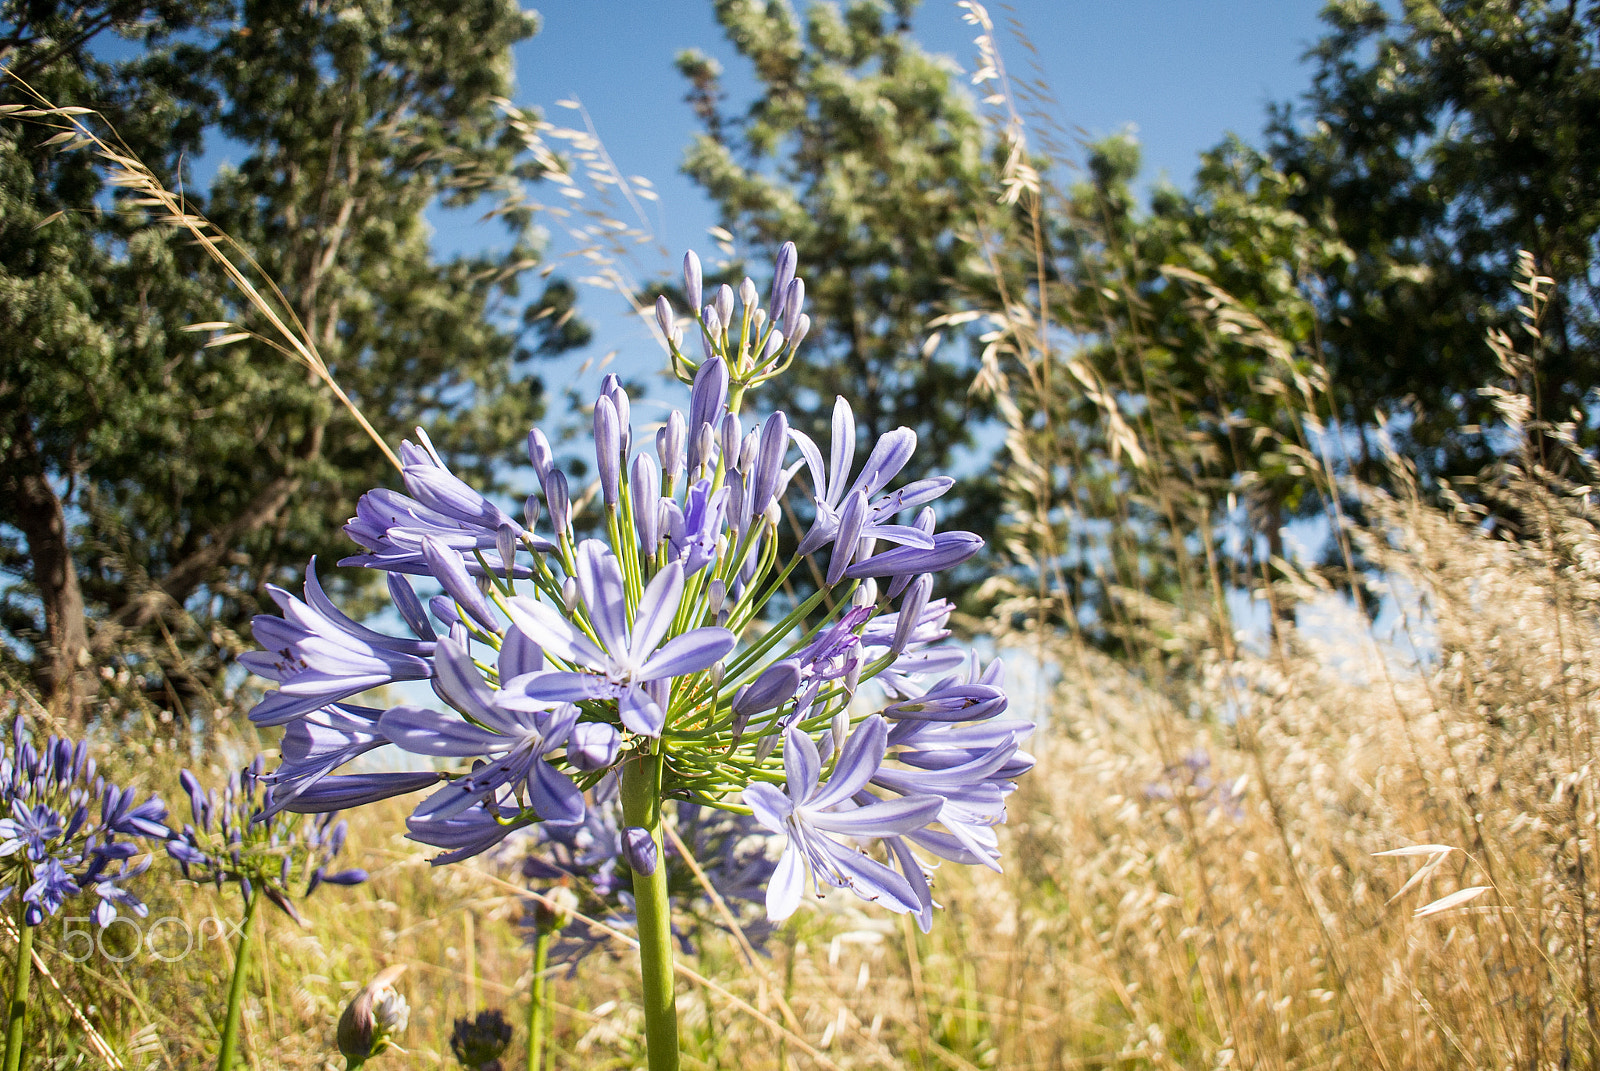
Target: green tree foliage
[157,484]
[864,151]
[1144,440]
[1435,144]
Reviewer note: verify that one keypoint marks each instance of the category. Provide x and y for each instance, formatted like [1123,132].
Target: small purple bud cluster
[557,658]
[237,836]
[67,831]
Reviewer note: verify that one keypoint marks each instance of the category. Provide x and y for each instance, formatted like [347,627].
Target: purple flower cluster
[558,657]
[237,836]
[66,831]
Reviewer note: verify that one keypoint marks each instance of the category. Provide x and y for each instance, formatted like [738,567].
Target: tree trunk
[60,664]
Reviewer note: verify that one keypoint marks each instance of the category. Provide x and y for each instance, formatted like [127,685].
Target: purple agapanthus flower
[850,515]
[630,662]
[513,735]
[319,656]
[392,527]
[810,814]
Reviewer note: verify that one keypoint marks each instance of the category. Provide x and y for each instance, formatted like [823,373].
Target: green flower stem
[539,998]
[17,1015]
[641,806]
[241,964]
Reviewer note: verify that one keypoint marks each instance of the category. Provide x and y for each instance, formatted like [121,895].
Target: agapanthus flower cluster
[662,625]
[66,831]
[237,836]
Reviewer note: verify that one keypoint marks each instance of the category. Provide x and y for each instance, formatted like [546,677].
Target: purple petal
[558,636]
[888,457]
[949,550]
[562,686]
[657,607]
[639,712]
[843,449]
[422,731]
[852,518]
[518,655]
[690,653]
[860,759]
[786,886]
[801,765]
[600,581]
[872,880]
[904,814]
[451,572]
[343,791]
[552,795]
[458,682]
[770,806]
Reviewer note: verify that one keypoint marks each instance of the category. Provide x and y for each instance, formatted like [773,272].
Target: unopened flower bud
[639,849]
[800,331]
[530,512]
[782,275]
[692,279]
[724,304]
[794,303]
[716,594]
[708,395]
[766,747]
[444,610]
[559,500]
[704,443]
[670,441]
[839,728]
[711,320]
[773,347]
[505,541]
[732,433]
[911,607]
[540,454]
[376,1015]
[866,594]
[774,687]
[608,450]
[664,317]
[569,594]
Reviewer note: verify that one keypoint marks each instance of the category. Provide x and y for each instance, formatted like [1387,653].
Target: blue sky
[1180,74]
